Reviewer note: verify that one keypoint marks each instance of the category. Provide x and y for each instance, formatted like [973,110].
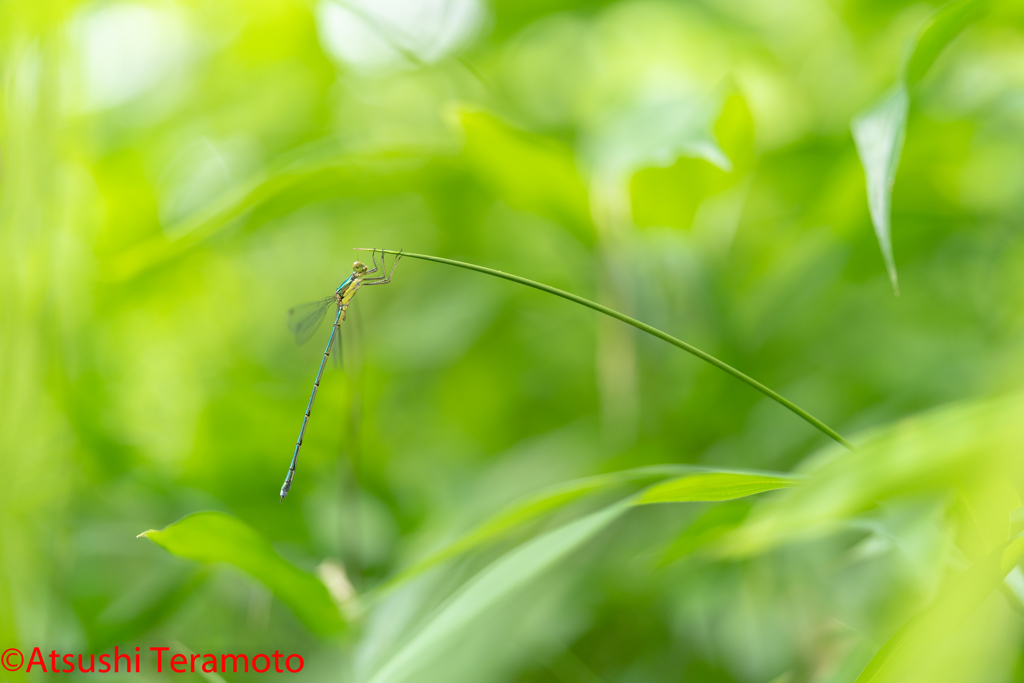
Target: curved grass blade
[711,487]
[528,509]
[714,486]
[305,319]
[527,562]
[210,537]
[644,327]
[489,587]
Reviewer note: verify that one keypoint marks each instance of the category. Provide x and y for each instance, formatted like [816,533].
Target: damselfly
[304,321]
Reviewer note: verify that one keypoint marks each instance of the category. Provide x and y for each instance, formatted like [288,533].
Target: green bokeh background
[175,175]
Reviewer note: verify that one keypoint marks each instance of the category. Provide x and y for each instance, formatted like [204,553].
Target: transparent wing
[305,319]
[336,351]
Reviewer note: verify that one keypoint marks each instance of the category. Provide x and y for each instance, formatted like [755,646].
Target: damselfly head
[358,268]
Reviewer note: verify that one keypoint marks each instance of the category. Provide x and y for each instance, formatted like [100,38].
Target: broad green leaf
[530,508]
[936,453]
[710,487]
[701,486]
[520,566]
[529,172]
[983,514]
[917,640]
[217,537]
[713,486]
[879,133]
[940,29]
[498,581]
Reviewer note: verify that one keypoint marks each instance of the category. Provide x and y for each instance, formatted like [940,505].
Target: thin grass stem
[653,331]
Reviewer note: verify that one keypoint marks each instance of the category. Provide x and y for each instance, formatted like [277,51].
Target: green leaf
[942,27]
[700,486]
[879,133]
[713,486]
[933,454]
[486,589]
[917,640]
[528,509]
[520,566]
[982,512]
[217,537]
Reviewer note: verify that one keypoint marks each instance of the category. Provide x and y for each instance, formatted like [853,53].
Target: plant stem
[689,348]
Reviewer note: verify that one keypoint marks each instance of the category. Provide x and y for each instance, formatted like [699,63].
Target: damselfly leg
[384,277]
[373,257]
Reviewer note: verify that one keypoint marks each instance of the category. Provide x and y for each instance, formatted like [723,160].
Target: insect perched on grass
[304,321]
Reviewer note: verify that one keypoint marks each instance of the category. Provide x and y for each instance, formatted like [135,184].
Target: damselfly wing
[305,319]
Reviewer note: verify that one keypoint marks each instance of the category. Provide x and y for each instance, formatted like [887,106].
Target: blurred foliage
[175,174]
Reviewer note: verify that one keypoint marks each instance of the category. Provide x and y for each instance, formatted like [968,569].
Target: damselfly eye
[358,266]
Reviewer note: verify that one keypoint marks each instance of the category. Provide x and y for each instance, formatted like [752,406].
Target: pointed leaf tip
[879,131]
[713,486]
[878,134]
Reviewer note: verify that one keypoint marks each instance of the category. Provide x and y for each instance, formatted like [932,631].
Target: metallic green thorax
[349,287]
